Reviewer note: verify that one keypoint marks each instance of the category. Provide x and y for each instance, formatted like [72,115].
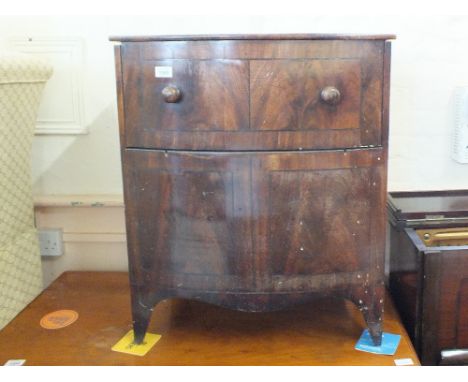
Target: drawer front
[212,96]
[262,222]
[291,95]
[252,95]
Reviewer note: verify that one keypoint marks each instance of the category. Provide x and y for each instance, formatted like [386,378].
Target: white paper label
[163,71]
[15,362]
[404,362]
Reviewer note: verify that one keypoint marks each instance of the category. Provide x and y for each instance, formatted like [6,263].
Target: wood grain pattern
[229,103]
[446,280]
[214,96]
[430,285]
[257,50]
[285,94]
[190,216]
[212,226]
[193,333]
[332,239]
[120,96]
[226,201]
[386,93]
[406,276]
[462,314]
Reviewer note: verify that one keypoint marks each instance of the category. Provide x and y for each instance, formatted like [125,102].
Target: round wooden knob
[171,94]
[330,95]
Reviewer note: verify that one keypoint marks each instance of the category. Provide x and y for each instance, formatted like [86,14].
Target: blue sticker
[389,344]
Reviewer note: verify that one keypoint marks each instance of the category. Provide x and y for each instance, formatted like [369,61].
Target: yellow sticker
[126,344]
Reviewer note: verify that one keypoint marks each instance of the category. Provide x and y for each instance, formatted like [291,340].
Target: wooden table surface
[193,333]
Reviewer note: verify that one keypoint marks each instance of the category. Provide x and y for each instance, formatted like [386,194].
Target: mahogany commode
[254,169]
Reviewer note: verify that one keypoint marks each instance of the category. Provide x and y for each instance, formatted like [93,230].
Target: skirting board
[93,233]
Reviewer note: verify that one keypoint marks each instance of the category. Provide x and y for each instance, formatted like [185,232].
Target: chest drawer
[245,95]
[305,95]
[199,96]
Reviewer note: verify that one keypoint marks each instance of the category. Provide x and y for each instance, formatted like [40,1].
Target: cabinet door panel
[188,218]
[319,215]
[313,230]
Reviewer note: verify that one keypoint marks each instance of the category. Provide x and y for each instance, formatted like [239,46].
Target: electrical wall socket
[51,242]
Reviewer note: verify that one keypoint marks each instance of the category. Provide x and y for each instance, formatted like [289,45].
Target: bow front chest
[254,169]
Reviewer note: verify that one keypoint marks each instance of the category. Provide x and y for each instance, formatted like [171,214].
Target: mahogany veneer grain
[255,175]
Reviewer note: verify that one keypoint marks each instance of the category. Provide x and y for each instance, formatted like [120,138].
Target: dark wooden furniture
[322,332]
[429,271]
[254,169]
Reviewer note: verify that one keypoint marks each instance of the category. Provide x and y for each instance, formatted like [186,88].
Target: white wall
[429,59]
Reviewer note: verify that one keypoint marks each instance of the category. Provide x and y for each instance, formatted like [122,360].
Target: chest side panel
[445,303]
